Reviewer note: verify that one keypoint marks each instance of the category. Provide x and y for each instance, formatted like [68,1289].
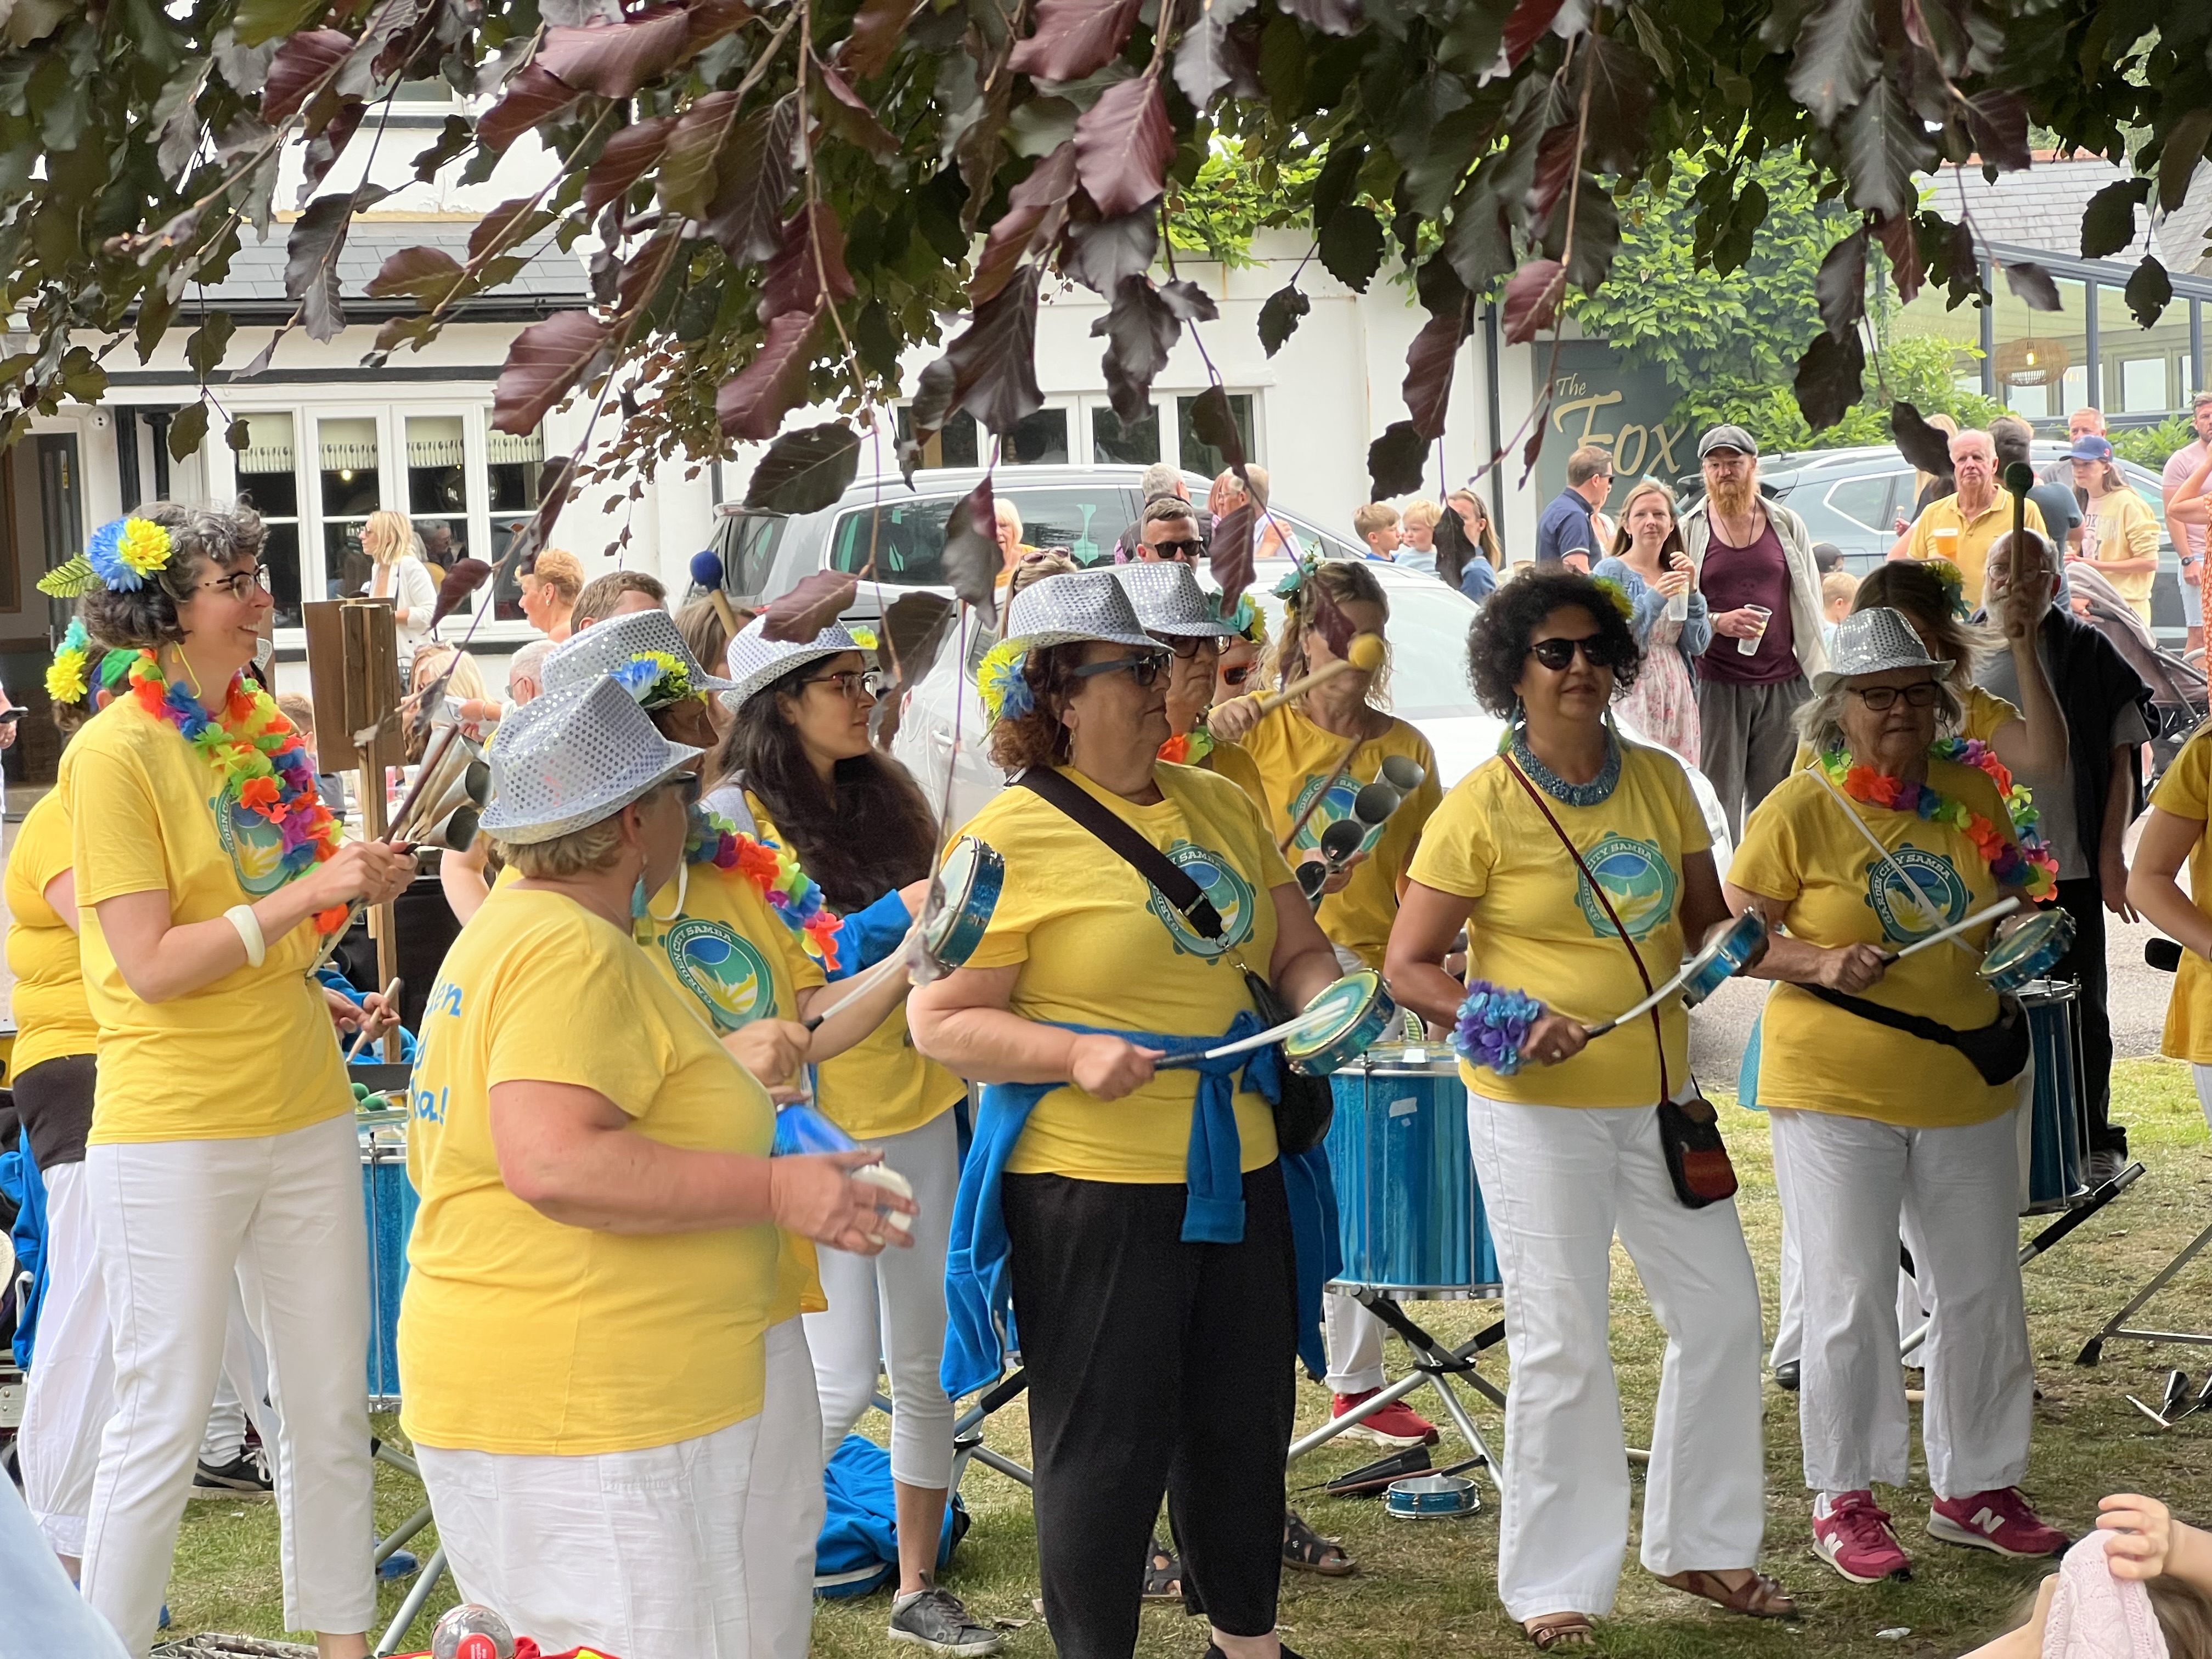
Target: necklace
[262,761]
[1595,793]
[793,894]
[2011,863]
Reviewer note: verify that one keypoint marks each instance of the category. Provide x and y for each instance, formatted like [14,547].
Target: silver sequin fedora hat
[755,661]
[568,759]
[1169,600]
[618,644]
[1067,610]
[1873,642]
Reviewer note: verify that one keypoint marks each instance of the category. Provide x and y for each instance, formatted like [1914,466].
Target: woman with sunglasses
[1567,1149]
[222,1149]
[1879,1117]
[797,769]
[1139,1219]
[583,1359]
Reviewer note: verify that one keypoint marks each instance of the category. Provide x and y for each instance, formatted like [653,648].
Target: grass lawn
[1427,1590]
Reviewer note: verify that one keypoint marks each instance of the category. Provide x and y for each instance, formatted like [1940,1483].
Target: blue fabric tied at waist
[978,1289]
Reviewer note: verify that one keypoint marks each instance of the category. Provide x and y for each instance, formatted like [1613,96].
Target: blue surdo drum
[388,1205]
[2055,1137]
[1409,1212]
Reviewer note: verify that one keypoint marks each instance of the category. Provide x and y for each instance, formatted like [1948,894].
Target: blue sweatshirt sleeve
[870,934]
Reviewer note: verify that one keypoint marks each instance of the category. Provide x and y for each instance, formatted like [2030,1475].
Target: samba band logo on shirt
[255,845]
[722,969]
[1230,894]
[1637,878]
[1341,794]
[1942,892]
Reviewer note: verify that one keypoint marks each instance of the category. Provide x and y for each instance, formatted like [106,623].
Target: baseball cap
[1727,437]
[2090,447]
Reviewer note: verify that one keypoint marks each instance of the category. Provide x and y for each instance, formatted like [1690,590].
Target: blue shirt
[1477,579]
[1563,529]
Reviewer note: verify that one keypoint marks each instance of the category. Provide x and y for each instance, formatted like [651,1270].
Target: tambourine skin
[1721,960]
[1341,1023]
[974,873]
[2028,951]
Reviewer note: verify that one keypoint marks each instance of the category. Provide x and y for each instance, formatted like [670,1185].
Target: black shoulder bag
[1302,1115]
[1689,1131]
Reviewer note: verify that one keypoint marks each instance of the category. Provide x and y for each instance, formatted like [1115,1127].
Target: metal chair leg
[411,1608]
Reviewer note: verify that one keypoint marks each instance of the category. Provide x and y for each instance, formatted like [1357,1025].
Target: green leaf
[187,431]
[204,349]
[265,20]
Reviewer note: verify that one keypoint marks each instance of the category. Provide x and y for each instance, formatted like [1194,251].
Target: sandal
[1305,1550]
[1162,1574]
[1757,1596]
[1558,1630]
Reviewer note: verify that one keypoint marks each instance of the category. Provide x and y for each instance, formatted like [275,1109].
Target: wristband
[248,925]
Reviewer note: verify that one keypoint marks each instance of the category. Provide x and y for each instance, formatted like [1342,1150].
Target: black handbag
[1303,1114]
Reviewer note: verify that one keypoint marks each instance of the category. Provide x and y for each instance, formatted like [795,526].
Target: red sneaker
[1851,1534]
[1395,1424]
[1999,1520]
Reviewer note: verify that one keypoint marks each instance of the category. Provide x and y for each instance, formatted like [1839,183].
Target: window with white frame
[1099,436]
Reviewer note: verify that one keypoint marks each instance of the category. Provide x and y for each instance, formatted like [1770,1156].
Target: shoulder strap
[1175,885]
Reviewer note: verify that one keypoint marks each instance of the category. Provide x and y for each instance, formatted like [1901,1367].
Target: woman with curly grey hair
[222,1146]
[1581,868]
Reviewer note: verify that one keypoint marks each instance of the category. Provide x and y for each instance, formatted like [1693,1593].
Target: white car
[942,740]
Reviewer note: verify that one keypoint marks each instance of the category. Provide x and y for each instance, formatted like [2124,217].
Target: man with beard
[1752,559]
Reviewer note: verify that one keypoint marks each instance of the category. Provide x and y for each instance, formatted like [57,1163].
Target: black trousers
[2083,900]
[1155,1366]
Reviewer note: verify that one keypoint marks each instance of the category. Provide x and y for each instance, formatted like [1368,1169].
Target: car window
[907,537]
[1427,631]
[1862,501]
[747,543]
[1081,523]
[1312,544]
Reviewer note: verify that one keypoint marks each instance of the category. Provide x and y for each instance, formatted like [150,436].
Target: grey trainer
[935,1619]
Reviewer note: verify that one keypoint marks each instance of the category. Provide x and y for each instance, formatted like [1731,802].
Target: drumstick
[2002,907]
[1365,654]
[361,1041]
[1643,1007]
[1242,1045]
[863,982]
[1321,795]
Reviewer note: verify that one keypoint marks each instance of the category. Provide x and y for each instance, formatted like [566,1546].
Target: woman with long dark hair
[799,766]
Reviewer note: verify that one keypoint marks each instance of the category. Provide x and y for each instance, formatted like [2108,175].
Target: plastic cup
[1749,646]
[1943,543]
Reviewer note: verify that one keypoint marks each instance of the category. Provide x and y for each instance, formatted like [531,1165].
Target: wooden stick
[1343,765]
[1298,688]
[859,985]
[362,1039]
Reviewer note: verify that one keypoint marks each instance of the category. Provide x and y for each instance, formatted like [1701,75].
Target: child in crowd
[1377,524]
[1416,524]
[1838,589]
[300,711]
[2140,1576]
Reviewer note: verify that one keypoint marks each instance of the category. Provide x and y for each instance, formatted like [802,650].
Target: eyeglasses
[1883,698]
[1145,670]
[1559,654]
[688,785]
[1237,675]
[1178,551]
[243,585]
[1184,647]
[852,685]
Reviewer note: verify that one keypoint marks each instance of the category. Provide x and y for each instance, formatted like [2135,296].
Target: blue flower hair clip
[119,555]
[1001,682]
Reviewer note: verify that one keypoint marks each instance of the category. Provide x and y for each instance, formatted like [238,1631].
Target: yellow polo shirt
[1975,535]
[52,1020]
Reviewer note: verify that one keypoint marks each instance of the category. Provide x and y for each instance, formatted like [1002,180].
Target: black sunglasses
[1176,550]
[1559,654]
[689,785]
[1237,675]
[1145,670]
[1184,647]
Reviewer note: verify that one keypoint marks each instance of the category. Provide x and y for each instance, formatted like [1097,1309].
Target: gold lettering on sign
[1621,446]
[1663,448]
[1590,407]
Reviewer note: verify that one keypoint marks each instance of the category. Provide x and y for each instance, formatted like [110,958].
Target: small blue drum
[388,1205]
[1409,1212]
[1335,1028]
[2055,1140]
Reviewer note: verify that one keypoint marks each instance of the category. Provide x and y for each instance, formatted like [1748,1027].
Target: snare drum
[2054,1136]
[1409,1210]
[2026,951]
[388,1205]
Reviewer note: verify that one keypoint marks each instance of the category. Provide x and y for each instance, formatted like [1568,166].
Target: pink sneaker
[1396,1425]
[1999,1520]
[1851,1534]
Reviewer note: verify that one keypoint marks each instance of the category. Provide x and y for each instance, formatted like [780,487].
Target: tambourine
[1340,1025]
[2028,951]
[973,876]
[1725,957]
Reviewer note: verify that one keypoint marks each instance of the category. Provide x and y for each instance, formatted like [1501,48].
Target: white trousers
[1355,1345]
[887,1313]
[1846,1182]
[699,1550]
[177,1223]
[70,1390]
[2202,1075]
[1559,1184]
[1789,1323]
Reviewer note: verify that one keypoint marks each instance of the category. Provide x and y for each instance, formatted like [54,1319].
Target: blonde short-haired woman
[391,544]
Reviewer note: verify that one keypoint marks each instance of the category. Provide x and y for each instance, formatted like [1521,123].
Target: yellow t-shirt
[727,950]
[518,1334]
[253,1054]
[1975,535]
[1534,926]
[1294,756]
[1097,946]
[2185,791]
[882,1085]
[1801,849]
[1234,761]
[2125,528]
[52,1018]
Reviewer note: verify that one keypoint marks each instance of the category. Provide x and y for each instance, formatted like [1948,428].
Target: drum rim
[2044,925]
[1297,1045]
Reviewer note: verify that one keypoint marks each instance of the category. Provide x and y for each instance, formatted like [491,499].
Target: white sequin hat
[1873,642]
[1066,610]
[568,759]
[756,661]
[1168,599]
[617,645]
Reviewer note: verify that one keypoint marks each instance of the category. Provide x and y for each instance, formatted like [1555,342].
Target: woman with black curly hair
[1580,866]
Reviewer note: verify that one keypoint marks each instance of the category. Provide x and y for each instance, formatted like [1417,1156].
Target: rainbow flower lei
[1188,748]
[789,890]
[2033,870]
[68,679]
[2019,800]
[260,755]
